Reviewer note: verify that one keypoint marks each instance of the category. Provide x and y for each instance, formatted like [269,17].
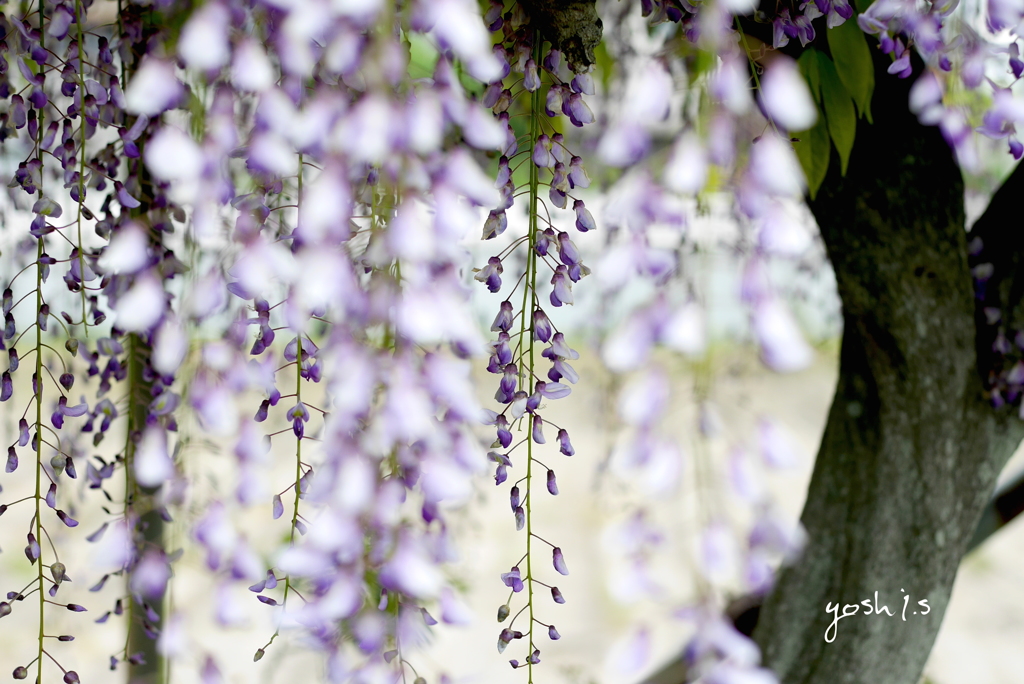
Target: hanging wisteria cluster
[237,228]
[285,165]
[545,94]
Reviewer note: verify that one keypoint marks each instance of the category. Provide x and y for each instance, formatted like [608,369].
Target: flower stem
[81,159]
[531,269]
[39,396]
[298,440]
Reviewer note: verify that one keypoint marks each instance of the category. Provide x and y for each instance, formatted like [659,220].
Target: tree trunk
[912,447]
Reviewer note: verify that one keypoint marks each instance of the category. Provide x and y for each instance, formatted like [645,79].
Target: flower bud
[5,609]
[504,434]
[258,655]
[503,321]
[20,672]
[533,403]
[584,219]
[67,519]
[552,484]
[568,254]
[565,446]
[32,550]
[531,79]
[503,611]
[558,560]
[542,328]
[519,405]
[542,152]
[561,292]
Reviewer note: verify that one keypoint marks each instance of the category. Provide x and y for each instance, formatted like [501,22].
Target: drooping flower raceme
[544,93]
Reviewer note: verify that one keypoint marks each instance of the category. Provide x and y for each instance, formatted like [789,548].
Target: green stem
[39,450]
[531,288]
[39,394]
[298,441]
[81,158]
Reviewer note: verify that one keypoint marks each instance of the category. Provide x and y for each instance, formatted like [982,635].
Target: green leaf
[842,120]
[808,64]
[197,115]
[813,150]
[853,62]
[422,55]
[605,65]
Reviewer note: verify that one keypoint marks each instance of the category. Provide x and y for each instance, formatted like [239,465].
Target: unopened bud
[552,483]
[258,655]
[558,560]
[503,612]
[20,672]
[503,639]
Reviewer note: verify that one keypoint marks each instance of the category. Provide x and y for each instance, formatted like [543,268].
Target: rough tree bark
[912,447]
[141,502]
